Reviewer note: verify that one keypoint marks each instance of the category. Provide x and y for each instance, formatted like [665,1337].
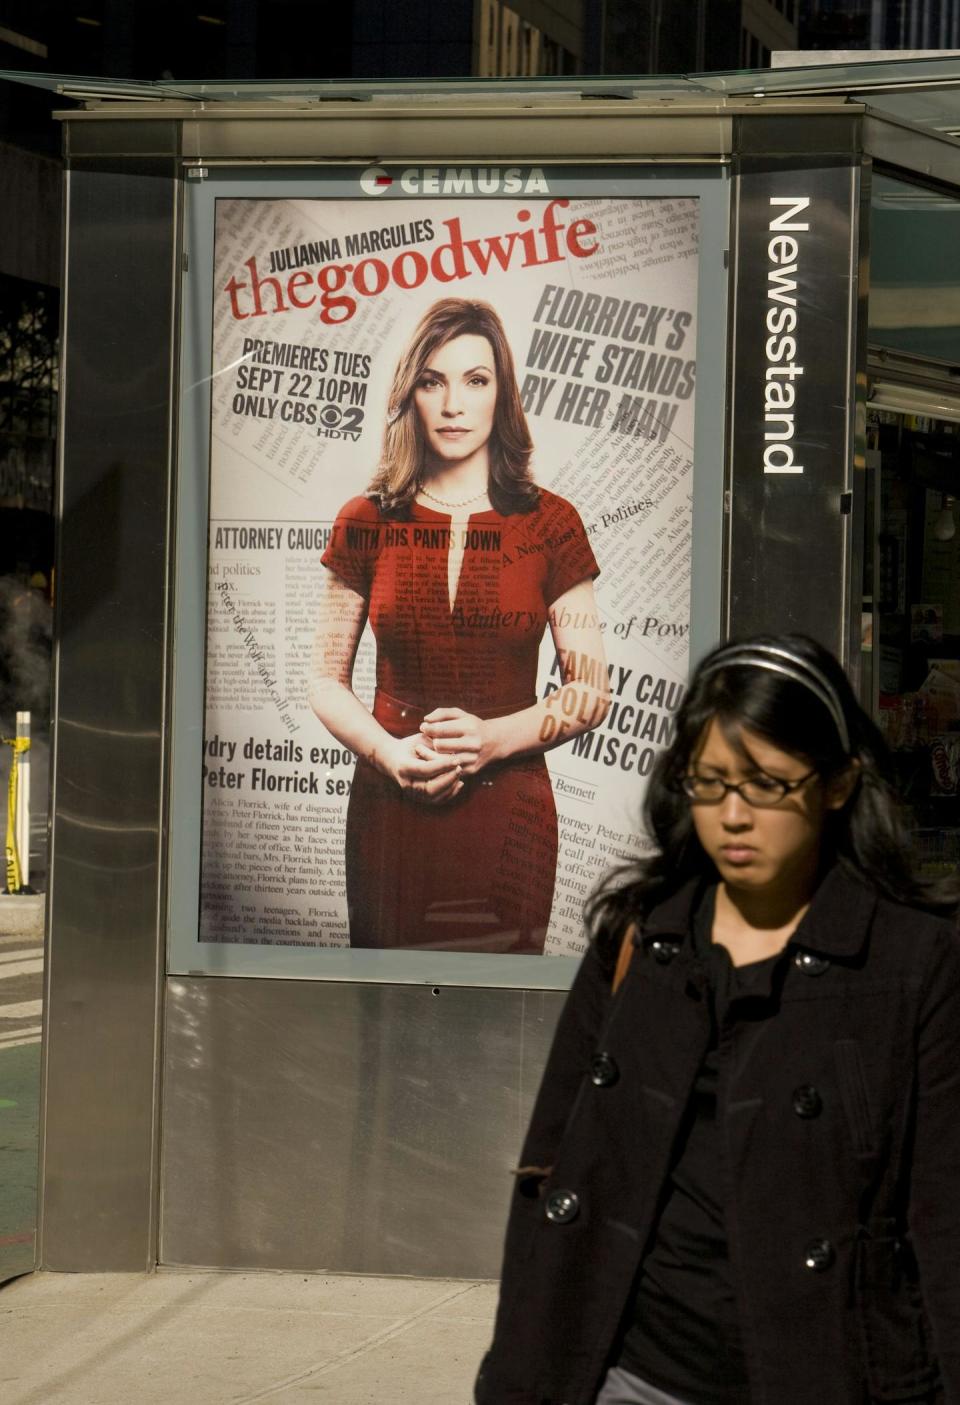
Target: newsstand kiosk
[676,273]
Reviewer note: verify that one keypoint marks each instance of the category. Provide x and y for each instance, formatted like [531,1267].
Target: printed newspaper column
[451,456]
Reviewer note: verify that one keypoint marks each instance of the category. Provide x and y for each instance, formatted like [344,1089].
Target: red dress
[476,873]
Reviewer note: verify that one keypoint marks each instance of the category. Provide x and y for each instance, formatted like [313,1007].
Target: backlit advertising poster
[449,555]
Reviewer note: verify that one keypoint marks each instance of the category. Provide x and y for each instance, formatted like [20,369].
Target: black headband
[778,660]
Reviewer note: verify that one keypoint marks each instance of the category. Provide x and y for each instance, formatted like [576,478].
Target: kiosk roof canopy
[925,92]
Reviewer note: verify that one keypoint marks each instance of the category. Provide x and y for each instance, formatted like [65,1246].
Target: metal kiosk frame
[240,1120]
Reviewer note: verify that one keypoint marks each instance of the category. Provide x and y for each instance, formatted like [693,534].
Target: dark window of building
[29,328]
[75,39]
[840,24]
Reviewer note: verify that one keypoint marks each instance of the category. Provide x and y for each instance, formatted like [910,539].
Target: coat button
[562,1206]
[819,1255]
[810,963]
[807,1102]
[603,1071]
[664,952]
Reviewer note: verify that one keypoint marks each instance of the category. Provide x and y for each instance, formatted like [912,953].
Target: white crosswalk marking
[15,1038]
[22,968]
[22,1010]
[20,1018]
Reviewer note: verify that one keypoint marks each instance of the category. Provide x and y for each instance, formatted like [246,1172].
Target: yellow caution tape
[14,879]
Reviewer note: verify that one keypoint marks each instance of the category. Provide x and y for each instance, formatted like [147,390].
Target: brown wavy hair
[395,484]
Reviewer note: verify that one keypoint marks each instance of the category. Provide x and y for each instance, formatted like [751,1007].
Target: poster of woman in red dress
[451,426]
[460,562]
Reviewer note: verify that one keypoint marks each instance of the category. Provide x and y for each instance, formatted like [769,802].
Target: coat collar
[836,923]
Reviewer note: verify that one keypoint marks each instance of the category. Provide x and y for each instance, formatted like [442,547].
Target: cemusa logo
[375,180]
[456,180]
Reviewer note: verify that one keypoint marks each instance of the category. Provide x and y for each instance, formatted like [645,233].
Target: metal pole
[23,800]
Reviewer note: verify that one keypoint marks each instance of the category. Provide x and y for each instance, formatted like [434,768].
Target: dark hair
[395,484]
[867,835]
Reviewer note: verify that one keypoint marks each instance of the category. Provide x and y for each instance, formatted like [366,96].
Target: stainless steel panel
[347,1127]
[792,461]
[577,133]
[98,1176]
[122,136]
[812,135]
[931,155]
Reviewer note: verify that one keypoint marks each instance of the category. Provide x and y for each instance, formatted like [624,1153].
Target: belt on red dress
[394,712]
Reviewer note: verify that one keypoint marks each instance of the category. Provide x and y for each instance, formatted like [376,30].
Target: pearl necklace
[443,502]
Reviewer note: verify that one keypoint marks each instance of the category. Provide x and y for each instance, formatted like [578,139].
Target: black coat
[839,1107]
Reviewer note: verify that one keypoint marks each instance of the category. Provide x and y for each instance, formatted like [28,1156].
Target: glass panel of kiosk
[912,558]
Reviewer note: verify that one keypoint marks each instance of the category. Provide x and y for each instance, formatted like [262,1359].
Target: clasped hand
[449,731]
[431,765]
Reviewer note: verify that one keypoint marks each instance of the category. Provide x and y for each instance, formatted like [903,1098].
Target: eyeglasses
[759,792]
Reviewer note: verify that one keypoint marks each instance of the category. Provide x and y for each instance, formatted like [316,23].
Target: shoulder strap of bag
[538,1174]
[624,957]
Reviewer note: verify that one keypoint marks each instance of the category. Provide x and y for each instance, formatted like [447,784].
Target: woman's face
[758,848]
[456,397]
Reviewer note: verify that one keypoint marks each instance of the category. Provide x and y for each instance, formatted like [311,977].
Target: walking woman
[460,562]
[741,1181]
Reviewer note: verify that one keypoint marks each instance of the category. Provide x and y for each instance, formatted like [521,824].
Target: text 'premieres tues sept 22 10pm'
[317,303]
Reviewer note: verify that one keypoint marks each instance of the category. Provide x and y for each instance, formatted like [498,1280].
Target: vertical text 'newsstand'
[782,368]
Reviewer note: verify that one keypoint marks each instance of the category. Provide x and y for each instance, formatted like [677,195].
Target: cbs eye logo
[375,181]
[340,424]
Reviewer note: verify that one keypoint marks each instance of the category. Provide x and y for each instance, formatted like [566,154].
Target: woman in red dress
[460,562]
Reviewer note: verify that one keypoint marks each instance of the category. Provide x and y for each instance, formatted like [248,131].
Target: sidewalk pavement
[21,989]
[208,1338]
[21,915]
